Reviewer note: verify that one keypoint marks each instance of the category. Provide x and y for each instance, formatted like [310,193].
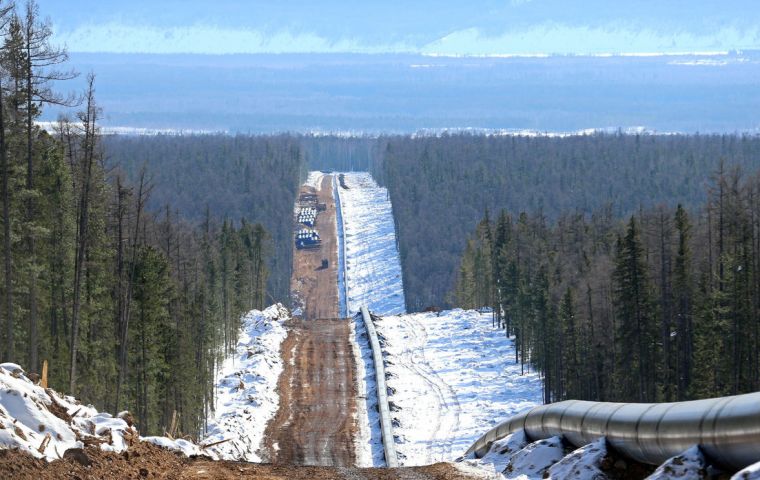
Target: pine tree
[635,333]
[571,383]
[683,295]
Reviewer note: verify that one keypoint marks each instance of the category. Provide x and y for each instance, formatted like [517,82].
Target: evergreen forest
[441,186]
[663,305]
[129,292]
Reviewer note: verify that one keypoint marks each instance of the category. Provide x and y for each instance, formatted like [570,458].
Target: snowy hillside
[373,266]
[452,377]
[45,424]
[245,390]
[515,458]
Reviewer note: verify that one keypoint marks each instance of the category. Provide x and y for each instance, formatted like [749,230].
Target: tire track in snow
[449,404]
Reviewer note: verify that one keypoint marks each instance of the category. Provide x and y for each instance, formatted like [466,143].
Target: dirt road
[314,287]
[315,423]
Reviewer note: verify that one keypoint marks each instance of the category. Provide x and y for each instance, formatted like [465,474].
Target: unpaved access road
[315,288]
[315,423]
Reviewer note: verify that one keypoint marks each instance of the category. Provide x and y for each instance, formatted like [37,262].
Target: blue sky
[475,27]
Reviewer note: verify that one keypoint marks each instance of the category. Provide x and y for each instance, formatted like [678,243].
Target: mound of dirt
[147,461]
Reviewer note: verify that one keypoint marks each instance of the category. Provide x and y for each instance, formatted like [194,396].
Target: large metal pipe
[727,429]
[386,427]
[345,306]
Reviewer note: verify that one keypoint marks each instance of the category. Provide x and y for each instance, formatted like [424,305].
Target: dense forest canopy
[345,154]
[661,306]
[228,177]
[440,186]
[129,291]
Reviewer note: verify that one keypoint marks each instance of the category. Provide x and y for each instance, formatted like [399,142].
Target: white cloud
[203,39]
[564,39]
[547,38]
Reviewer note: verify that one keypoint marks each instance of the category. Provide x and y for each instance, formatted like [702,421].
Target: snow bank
[689,464]
[583,464]
[373,266]
[369,442]
[452,377]
[501,452]
[535,459]
[750,473]
[245,393]
[44,423]
[314,179]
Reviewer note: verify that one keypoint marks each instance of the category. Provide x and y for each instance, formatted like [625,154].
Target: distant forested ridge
[663,305]
[345,154]
[441,186]
[229,177]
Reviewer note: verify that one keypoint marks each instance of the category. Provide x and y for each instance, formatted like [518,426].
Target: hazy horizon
[402,94]
[479,27]
[401,67]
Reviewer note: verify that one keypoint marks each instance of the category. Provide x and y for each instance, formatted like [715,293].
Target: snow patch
[373,265]
[246,397]
[583,464]
[533,461]
[502,451]
[689,464]
[751,472]
[314,180]
[452,377]
[45,423]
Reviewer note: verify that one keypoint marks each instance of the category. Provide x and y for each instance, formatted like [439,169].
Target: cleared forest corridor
[315,422]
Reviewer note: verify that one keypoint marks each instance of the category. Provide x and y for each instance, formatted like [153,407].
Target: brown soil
[146,461]
[317,288]
[315,422]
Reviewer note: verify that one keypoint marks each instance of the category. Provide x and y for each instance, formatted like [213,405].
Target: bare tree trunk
[33,340]
[7,251]
[120,213]
[89,119]
[124,327]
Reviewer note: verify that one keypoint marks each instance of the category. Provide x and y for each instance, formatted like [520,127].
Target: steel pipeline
[727,429]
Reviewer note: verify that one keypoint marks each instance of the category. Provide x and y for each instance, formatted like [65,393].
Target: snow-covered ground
[246,397]
[750,473]
[314,179]
[369,442]
[373,266]
[369,274]
[45,423]
[453,377]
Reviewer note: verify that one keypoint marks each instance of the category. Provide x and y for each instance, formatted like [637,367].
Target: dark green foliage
[133,307]
[234,177]
[440,186]
[661,307]
[635,325]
